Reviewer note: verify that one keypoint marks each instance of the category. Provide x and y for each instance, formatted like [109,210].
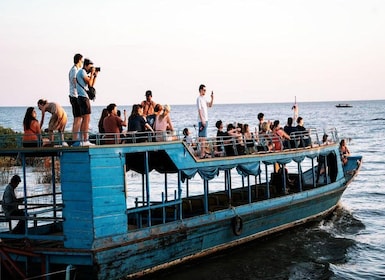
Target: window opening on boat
[158,193]
[38,195]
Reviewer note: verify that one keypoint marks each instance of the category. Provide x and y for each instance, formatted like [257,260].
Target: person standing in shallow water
[203,118]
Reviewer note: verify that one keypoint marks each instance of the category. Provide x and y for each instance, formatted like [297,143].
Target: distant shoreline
[216,104]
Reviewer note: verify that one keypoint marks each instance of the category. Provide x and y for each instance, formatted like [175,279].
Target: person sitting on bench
[10,204]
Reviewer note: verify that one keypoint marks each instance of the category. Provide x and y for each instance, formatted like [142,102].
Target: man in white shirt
[73,95]
[203,105]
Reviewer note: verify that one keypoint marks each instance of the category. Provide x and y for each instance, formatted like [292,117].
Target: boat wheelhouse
[124,210]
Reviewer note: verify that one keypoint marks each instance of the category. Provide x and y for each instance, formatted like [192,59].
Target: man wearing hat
[148,104]
[10,203]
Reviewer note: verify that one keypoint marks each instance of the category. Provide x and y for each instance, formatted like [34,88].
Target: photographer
[85,78]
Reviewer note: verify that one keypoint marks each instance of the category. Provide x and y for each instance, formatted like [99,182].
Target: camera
[97,69]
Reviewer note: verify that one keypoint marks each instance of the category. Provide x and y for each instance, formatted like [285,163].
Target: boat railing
[41,212]
[215,146]
[147,213]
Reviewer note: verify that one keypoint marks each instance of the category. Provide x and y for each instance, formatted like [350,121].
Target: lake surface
[348,245]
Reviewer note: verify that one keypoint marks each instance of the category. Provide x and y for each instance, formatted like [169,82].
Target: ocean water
[350,244]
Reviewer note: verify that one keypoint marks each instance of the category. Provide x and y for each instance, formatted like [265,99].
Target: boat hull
[207,234]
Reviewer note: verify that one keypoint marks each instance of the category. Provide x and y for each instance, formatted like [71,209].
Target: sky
[246,51]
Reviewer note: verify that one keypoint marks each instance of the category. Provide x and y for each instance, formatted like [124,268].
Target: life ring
[237,224]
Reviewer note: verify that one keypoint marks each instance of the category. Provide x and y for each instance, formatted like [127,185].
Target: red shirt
[112,124]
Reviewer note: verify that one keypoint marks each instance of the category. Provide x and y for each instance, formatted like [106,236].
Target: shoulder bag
[91,92]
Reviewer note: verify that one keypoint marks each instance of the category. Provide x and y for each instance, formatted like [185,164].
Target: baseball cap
[87,61]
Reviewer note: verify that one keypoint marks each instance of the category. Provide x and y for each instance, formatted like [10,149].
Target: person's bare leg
[202,141]
[85,126]
[51,136]
[76,128]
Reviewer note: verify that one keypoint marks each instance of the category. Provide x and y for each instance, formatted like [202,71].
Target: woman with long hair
[32,131]
[137,124]
[102,117]
[344,151]
[163,125]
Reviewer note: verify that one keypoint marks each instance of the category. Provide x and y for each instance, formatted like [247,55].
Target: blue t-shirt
[80,80]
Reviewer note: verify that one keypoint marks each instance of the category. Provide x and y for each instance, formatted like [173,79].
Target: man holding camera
[85,77]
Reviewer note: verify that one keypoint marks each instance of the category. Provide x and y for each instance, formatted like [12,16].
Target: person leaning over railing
[344,151]
[58,120]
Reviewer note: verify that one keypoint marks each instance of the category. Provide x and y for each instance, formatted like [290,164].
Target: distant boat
[344,105]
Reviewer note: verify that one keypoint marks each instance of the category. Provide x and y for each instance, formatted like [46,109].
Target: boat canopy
[161,162]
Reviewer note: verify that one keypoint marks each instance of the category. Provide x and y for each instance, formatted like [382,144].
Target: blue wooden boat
[130,209]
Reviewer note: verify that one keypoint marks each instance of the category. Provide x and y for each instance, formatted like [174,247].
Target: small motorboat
[344,105]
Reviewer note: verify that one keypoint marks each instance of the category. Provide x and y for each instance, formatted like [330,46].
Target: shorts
[75,107]
[58,122]
[85,106]
[202,129]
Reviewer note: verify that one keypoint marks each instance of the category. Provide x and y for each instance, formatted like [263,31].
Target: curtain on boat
[208,173]
[249,169]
